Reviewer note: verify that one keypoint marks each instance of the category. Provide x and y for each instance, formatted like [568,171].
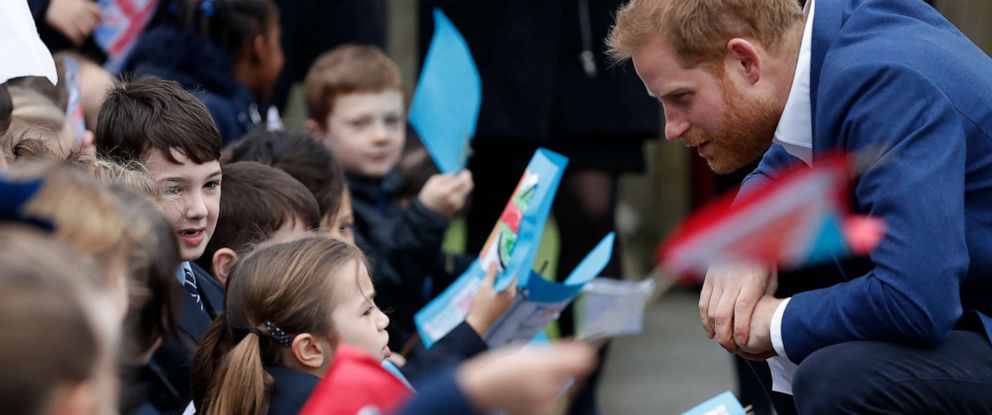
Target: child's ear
[76,399]
[310,351]
[255,49]
[222,263]
[313,128]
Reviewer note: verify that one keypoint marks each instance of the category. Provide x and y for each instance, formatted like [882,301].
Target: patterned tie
[189,282]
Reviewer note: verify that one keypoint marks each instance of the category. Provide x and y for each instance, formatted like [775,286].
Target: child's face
[366,131]
[357,320]
[189,195]
[343,226]
[292,228]
[273,58]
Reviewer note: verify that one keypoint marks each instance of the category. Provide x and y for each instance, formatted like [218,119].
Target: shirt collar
[795,128]
[181,272]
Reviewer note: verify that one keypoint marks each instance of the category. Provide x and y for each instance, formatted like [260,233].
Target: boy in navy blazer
[168,130]
[909,332]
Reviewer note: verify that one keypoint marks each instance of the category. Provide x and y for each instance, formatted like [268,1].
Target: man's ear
[222,263]
[744,59]
[310,351]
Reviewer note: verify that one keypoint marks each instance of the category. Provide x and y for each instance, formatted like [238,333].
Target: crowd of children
[172,256]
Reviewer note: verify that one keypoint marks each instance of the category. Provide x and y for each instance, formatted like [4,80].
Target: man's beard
[745,133]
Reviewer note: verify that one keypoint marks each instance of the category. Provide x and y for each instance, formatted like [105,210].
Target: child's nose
[383,321]
[196,206]
[380,133]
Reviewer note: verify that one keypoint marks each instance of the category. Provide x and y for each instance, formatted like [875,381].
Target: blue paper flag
[723,404]
[446,103]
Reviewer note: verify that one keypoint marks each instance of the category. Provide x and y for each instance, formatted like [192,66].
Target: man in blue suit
[907,332]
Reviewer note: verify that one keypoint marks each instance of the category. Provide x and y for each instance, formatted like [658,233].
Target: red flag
[801,217]
[356,383]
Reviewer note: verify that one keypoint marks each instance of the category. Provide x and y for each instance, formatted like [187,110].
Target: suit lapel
[826,24]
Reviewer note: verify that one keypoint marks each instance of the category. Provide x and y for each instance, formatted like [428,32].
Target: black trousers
[870,377]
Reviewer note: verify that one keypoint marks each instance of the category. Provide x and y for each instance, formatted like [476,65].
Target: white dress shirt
[795,134]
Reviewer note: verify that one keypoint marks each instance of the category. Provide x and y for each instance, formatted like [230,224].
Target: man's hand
[759,344]
[75,19]
[728,299]
[446,195]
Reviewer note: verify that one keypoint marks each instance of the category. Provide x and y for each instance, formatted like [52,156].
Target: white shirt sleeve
[776,329]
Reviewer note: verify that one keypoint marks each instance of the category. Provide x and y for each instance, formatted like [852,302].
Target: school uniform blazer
[171,388]
[895,77]
[290,391]
[191,321]
[441,394]
[460,344]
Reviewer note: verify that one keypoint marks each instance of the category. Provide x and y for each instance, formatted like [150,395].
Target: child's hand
[488,305]
[446,195]
[75,19]
[526,381]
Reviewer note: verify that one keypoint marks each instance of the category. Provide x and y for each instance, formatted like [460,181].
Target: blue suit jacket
[895,77]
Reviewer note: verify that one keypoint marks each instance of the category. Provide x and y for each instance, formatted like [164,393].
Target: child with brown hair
[52,296]
[310,163]
[167,129]
[152,300]
[354,99]
[261,204]
[87,218]
[290,305]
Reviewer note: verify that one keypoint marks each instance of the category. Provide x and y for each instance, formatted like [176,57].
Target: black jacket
[460,344]
[292,388]
[313,27]
[170,389]
[403,244]
[535,89]
[201,68]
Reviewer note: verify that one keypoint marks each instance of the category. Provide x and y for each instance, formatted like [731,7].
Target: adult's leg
[782,403]
[750,388]
[888,378]
[584,210]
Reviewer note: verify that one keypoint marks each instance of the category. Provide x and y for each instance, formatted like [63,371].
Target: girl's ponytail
[208,356]
[242,384]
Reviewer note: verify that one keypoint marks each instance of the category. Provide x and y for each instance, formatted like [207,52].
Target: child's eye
[393,120]
[171,189]
[361,123]
[213,184]
[368,310]
[346,228]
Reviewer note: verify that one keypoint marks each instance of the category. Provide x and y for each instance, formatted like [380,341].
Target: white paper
[611,308]
[21,51]
[523,320]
